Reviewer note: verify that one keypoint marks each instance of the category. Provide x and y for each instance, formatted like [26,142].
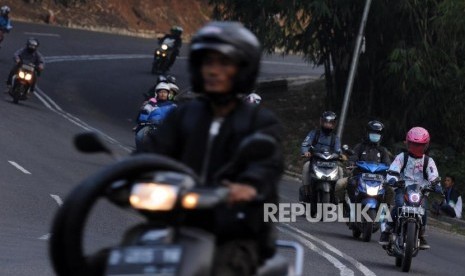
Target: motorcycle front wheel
[409,246]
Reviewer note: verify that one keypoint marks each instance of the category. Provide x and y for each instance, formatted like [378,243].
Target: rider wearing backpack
[414,167]
[322,138]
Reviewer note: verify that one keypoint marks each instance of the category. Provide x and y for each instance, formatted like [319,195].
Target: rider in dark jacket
[175,34]
[28,54]
[205,134]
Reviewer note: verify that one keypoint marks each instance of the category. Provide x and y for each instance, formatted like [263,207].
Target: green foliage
[411,73]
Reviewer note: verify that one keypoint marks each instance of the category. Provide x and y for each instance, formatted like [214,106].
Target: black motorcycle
[162,57]
[404,244]
[22,82]
[162,190]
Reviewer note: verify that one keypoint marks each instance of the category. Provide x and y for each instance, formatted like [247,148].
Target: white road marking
[53,106]
[16,165]
[41,34]
[365,270]
[45,237]
[344,270]
[57,199]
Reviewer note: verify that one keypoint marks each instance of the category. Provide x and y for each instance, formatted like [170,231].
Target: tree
[412,72]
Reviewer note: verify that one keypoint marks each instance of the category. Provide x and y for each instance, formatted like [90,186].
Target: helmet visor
[416,149]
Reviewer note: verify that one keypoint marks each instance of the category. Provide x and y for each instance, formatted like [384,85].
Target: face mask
[374,137]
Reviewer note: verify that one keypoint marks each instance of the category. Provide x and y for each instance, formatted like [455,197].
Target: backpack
[317,136]
[425,164]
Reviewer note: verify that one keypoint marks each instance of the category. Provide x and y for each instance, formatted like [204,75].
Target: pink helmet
[417,141]
[418,135]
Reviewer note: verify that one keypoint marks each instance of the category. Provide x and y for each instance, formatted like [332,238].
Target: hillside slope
[144,17]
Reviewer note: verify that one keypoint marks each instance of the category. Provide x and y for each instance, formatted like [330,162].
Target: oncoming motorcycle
[162,190]
[404,244]
[22,82]
[369,191]
[162,57]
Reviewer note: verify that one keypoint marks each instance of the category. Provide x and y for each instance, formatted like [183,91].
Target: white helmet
[4,10]
[174,88]
[253,98]
[162,86]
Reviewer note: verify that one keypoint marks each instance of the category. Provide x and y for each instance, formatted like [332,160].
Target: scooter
[162,190]
[369,191]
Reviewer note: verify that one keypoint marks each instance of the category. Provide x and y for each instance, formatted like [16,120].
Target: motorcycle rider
[323,138]
[153,111]
[414,167]
[205,133]
[175,33]
[5,23]
[161,78]
[368,150]
[27,54]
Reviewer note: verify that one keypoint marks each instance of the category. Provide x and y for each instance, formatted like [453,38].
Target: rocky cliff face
[148,17]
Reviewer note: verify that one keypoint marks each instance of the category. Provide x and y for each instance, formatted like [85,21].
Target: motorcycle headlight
[21,74]
[164,47]
[158,52]
[28,77]
[372,191]
[163,54]
[414,197]
[153,196]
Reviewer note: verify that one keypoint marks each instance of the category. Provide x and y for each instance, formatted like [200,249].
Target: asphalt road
[95,81]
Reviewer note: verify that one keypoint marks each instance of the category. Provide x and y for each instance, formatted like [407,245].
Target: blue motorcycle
[368,191]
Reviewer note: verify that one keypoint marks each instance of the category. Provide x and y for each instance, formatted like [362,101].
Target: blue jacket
[5,24]
[161,110]
[324,142]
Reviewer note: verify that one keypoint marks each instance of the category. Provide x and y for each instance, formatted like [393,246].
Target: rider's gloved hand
[400,184]
[391,182]
[438,188]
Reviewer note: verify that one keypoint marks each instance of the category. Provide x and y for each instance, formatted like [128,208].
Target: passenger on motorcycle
[175,33]
[5,23]
[26,55]
[152,114]
[319,139]
[205,134]
[414,167]
[368,150]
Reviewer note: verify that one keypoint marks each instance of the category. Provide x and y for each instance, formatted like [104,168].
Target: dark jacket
[371,152]
[184,136]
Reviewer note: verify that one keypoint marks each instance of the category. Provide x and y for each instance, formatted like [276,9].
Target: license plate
[325,164]
[410,210]
[371,177]
[144,260]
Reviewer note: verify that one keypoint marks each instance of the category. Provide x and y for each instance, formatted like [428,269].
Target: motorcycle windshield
[372,166]
[169,42]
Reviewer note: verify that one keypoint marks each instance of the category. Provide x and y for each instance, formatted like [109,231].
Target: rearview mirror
[90,142]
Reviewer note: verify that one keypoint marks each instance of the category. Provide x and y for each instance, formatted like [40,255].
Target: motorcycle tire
[325,197]
[410,240]
[368,226]
[398,261]
[356,233]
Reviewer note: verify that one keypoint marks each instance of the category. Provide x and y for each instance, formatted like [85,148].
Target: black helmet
[374,131]
[325,118]
[176,30]
[162,78]
[32,44]
[233,40]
